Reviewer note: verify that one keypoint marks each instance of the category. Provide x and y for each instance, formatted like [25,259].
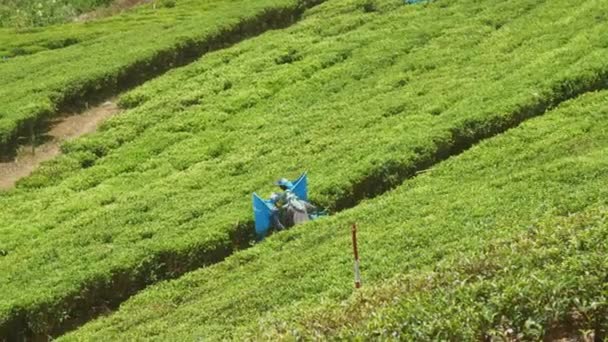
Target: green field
[30,13]
[69,66]
[362,94]
[509,235]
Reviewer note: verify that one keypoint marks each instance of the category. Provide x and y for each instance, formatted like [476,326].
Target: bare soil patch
[116,7]
[63,128]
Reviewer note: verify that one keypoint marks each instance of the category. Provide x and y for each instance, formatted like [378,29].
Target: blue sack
[262,212]
[300,187]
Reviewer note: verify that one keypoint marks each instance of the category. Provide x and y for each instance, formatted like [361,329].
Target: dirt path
[61,129]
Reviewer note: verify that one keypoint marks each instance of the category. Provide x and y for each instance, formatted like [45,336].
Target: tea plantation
[68,66]
[499,238]
[30,13]
[508,238]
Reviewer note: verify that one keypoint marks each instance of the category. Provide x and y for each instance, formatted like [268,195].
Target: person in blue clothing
[296,210]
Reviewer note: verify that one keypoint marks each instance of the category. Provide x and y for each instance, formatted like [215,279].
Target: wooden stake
[33,137]
[356,254]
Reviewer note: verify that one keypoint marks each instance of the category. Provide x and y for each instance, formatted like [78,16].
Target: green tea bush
[366,100]
[506,240]
[34,13]
[81,63]
[167,3]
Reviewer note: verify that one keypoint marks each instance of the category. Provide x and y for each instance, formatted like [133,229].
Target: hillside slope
[509,235]
[362,97]
[75,64]
[30,13]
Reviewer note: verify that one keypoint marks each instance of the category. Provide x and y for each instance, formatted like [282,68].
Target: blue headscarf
[284,182]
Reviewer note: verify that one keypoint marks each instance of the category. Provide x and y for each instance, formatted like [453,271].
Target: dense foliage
[360,95]
[69,65]
[29,13]
[507,240]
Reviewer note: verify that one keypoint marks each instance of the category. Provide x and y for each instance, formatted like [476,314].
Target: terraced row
[507,240]
[83,63]
[360,96]
[32,40]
